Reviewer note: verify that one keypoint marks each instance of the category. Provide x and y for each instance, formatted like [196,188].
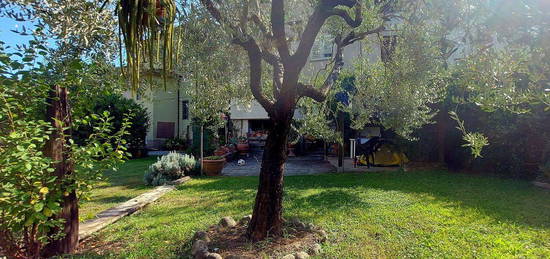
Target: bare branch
[270,57]
[311,92]
[255,59]
[278,27]
[354,23]
[213,10]
[320,94]
[353,36]
[256,19]
[322,11]
[313,26]
[244,16]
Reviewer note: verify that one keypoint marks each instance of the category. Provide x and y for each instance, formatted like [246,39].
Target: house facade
[168,109]
[169,106]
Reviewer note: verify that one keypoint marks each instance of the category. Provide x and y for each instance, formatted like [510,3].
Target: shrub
[31,190]
[175,144]
[120,107]
[168,168]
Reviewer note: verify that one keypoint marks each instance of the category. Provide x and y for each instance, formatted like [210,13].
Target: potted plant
[242,145]
[213,165]
[221,151]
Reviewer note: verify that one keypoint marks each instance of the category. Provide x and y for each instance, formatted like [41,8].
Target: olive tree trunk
[287,90]
[267,216]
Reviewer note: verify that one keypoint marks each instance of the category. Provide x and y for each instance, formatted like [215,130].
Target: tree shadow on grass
[203,201]
[503,199]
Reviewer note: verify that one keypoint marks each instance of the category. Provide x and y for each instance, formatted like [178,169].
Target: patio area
[303,165]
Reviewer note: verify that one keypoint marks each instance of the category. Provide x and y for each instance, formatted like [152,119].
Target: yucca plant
[146,26]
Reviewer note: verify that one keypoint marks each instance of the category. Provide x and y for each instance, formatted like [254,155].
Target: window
[185,110]
[322,48]
[387,47]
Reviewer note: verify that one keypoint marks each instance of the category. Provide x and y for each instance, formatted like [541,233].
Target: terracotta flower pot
[213,167]
[243,147]
[219,152]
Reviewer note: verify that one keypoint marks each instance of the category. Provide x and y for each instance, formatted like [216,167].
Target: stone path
[107,217]
[294,166]
[542,185]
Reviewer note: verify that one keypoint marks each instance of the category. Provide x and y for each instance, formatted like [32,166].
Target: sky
[11,38]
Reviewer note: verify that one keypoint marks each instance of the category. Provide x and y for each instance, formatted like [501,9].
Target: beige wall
[162,105]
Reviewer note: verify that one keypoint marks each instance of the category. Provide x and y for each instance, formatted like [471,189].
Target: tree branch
[320,94]
[353,36]
[313,26]
[256,19]
[255,59]
[278,27]
[354,23]
[269,57]
[213,10]
[324,10]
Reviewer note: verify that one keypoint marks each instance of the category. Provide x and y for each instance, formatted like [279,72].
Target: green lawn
[378,215]
[117,186]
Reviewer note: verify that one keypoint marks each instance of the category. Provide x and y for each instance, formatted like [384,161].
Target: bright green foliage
[168,168]
[397,93]
[214,68]
[29,194]
[317,121]
[104,149]
[120,108]
[475,140]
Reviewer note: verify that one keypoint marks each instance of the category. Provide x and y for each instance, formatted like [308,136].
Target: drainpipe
[341,144]
[202,146]
[178,113]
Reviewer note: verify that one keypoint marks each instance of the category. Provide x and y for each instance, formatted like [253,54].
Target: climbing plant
[147,29]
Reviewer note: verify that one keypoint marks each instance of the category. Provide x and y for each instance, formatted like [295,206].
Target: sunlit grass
[117,186]
[380,215]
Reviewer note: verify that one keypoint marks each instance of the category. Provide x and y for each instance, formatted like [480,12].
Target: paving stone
[109,216]
[294,166]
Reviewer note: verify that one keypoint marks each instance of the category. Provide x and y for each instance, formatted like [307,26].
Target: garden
[405,214]
[274,129]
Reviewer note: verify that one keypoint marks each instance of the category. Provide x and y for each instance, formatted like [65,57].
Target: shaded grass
[382,215]
[116,187]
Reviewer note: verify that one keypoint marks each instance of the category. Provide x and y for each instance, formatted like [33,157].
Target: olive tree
[399,93]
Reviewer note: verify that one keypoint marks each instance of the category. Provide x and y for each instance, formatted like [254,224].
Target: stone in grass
[201,255]
[201,235]
[235,257]
[199,248]
[245,220]
[289,256]
[227,222]
[323,236]
[310,226]
[294,221]
[301,255]
[316,249]
[213,256]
